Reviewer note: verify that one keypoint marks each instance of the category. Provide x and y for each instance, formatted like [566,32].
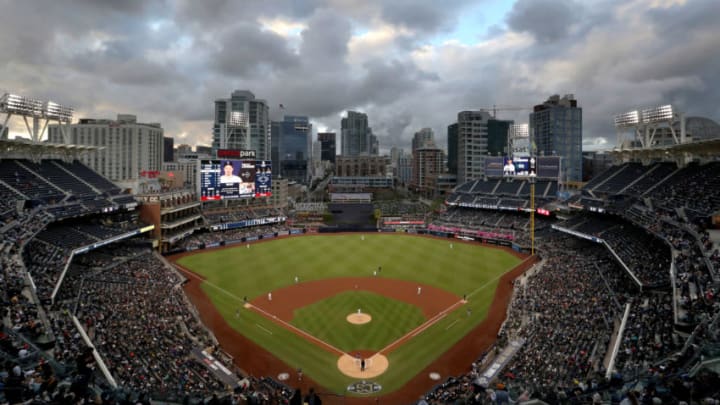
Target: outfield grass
[463,269]
[326,320]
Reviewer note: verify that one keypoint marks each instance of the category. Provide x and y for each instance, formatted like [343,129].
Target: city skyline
[408,65]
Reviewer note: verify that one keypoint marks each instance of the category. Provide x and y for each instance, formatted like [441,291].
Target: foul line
[265,313]
[430,322]
[452,324]
[482,287]
[295,329]
[261,327]
[413,333]
[191,274]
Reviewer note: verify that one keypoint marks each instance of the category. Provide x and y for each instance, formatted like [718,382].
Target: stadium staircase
[606,179]
[40,177]
[80,179]
[644,176]
[661,181]
[13,189]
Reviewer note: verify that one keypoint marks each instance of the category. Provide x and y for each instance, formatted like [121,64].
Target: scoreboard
[231,179]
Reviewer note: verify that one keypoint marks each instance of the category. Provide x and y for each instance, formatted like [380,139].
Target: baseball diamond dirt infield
[255,360]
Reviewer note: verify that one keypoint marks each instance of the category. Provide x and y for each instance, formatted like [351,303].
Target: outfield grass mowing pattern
[463,269]
[391,320]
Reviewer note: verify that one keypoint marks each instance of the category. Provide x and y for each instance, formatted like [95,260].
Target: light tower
[13,104]
[645,123]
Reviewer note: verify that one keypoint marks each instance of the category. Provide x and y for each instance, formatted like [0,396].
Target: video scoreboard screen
[519,166]
[546,167]
[231,179]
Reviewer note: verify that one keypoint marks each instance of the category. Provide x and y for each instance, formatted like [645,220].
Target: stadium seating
[21,179]
[60,178]
[89,176]
[567,311]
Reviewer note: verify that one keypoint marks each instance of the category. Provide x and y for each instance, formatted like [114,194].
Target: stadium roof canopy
[25,148]
[703,149]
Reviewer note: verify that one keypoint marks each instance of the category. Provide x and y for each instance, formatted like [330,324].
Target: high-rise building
[424,138]
[374,144]
[518,140]
[203,150]
[242,122]
[472,144]
[356,134]
[327,146]
[427,165]
[168,149]
[183,149]
[498,137]
[291,147]
[361,166]
[479,135]
[405,167]
[126,148]
[452,148]
[556,130]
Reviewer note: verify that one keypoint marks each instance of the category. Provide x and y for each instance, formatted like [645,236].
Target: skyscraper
[374,144]
[327,146]
[356,134]
[452,148]
[427,165]
[168,148]
[424,138]
[291,143]
[498,137]
[472,144]
[242,122]
[479,135]
[556,130]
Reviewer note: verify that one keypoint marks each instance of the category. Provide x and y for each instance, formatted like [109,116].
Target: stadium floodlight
[627,119]
[58,112]
[15,104]
[657,114]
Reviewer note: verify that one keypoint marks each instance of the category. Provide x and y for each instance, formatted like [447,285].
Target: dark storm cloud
[214,14]
[386,81]
[325,41]
[246,50]
[168,61]
[546,20]
[427,16]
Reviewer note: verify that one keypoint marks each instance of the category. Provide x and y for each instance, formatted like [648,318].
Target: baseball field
[326,303]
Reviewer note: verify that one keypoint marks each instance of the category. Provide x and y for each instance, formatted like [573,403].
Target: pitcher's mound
[374,366]
[358,319]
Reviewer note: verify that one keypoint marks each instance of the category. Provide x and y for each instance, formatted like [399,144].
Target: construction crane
[496,108]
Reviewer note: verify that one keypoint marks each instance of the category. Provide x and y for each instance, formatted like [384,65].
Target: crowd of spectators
[205,238]
[513,224]
[568,312]
[402,208]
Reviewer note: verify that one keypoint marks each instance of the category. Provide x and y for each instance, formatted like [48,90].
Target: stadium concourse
[622,307]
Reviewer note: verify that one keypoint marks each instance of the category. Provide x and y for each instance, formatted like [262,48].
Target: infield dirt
[255,360]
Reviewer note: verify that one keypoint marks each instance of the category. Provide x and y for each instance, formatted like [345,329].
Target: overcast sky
[409,64]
